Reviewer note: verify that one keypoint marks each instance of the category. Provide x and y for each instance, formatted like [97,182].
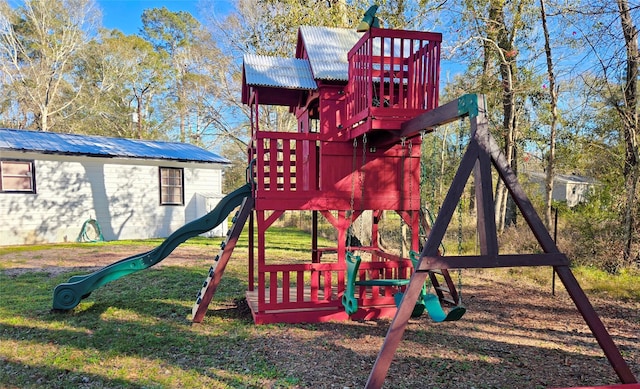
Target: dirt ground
[515,334]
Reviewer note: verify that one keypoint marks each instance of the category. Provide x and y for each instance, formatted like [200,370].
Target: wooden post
[481,149]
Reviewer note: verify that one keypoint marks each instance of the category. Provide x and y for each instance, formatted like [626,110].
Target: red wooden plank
[288,135]
[273,163]
[402,76]
[328,286]
[260,165]
[392,66]
[380,63]
[299,165]
[315,285]
[261,287]
[310,267]
[286,165]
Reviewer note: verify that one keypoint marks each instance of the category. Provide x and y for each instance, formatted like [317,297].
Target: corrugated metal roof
[327,48]
[565,178]
[291,73]
[100,146]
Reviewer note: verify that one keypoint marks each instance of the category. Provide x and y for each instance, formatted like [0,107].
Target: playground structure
[348,156]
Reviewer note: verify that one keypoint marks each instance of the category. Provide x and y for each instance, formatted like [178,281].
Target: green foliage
[125,84]
[594,231]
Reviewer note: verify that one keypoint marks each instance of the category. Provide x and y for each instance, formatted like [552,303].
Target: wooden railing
[321,285]
[392,73]
[286,162]
[300,286]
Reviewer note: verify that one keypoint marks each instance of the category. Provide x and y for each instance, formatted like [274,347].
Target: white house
[51,183]
[570,188]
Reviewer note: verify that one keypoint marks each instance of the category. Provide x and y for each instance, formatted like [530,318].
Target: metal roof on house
[292,73]
[564,178]
[100,146]
[327,49]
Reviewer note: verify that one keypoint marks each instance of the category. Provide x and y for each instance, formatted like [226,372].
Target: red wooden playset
[333,170]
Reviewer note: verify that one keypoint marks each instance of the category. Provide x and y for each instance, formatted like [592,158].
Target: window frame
[32,175]
[163,195]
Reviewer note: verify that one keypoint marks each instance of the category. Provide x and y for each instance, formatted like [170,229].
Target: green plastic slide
[67,296]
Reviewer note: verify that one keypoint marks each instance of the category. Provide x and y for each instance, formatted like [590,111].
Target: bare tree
[39,43]
[553,94]
[499,25]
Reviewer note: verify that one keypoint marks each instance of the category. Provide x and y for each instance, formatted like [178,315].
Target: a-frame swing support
[482,152]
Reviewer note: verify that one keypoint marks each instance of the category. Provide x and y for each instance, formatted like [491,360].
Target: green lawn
[136,331]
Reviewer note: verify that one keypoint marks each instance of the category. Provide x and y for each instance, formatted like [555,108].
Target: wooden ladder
[210,284]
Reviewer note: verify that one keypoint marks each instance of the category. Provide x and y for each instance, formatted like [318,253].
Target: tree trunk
[503,39]
[629,114]
[553,94]
[44,122]
[139,123]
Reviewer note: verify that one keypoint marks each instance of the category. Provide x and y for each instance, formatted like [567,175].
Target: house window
[171,186]
[17,176]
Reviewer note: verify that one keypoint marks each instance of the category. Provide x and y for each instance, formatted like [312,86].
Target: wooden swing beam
[482,152]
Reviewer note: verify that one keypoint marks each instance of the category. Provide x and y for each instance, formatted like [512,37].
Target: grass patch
[135,332]
[623,286]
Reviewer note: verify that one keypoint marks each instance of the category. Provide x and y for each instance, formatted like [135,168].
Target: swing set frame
[481,154]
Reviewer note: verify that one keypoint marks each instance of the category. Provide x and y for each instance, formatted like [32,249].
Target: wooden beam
[436,117]
[483,181]
[466,105]
[491,261]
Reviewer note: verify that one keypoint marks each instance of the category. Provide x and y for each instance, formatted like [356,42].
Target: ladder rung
[449,301]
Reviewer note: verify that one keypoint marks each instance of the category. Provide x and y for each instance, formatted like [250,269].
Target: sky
[125,15]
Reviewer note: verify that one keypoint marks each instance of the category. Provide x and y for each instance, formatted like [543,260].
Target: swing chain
[362,175]
[353,192]
[364,161]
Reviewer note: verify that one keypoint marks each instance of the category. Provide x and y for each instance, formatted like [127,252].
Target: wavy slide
[67,296]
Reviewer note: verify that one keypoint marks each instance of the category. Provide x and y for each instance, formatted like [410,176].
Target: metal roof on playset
[278,72]
[101,146]
[327,49]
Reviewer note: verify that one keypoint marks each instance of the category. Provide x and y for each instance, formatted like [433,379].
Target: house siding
[122,194]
